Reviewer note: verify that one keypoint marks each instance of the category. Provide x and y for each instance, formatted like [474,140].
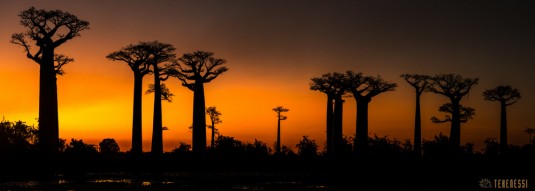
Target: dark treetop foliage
[43,26]
[197,67]
[466,113]
[506,94]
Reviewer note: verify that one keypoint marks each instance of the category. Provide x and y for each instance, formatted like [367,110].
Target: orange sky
[273,49]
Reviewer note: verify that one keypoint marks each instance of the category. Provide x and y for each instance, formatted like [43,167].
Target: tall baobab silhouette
[214,117]
[507,96]
[193,70]
[136,56]
[529,131]
[455,87]
[364,88]
[279,110]
[420,83]
[332,85]
[49,30]
[160,57]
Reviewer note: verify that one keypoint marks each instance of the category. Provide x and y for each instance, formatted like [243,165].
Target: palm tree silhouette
[214,117]
[279,110]
[529,131]
[49,30]
[507,96]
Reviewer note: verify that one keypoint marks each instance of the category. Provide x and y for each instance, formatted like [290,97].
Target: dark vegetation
[38,152]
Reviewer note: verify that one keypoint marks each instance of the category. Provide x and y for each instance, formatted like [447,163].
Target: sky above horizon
[273,49]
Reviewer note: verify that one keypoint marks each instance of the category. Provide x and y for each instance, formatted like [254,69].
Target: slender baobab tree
[455,87]
[364,88]
[160,57]
[214,117]
[420,83]
[333,86]
[136,56]
[193,70]
[529,131]
[48,30]
[280,117]
[507,96]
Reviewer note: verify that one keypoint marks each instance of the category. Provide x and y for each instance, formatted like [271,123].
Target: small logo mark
[485,183]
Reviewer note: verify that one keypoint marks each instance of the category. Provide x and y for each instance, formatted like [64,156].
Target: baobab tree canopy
[451,85]
[198,67]
[506,94]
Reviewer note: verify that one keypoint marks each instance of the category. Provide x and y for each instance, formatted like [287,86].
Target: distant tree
[16,137]
[79,148]
[332,84]
[307,148]
[193,70]
[160,57]
[465,113]
[49,30]
[137,57]
[109,146]
[279,110]
[214,117]
[226,146]
[492,147]
[455,87]
[529,131]
[364,88]
[507,96]
[421,84]
[436,148]
[182,149]
[257,149]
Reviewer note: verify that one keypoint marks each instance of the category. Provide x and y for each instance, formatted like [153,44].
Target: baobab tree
[420,83]
[193,70]
[529,131]
[214,117]
[465,114]
[507,96]
[280,117]
[49,30]
[161,55]
[364,88]
[137,58]
[333,86]
[455,87]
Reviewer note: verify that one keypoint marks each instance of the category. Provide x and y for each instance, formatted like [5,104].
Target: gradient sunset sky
[273,49]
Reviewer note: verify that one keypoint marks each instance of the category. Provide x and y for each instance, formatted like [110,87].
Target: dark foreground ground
[167,174]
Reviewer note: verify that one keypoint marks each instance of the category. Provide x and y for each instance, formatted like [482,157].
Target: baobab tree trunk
[329,125]
[48,105]
[213,133]
[157,138]
[417,128]
[361,141]
[337,127]
[503,126]
[136,119]
[455,131]
[199,120]
[278,149]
